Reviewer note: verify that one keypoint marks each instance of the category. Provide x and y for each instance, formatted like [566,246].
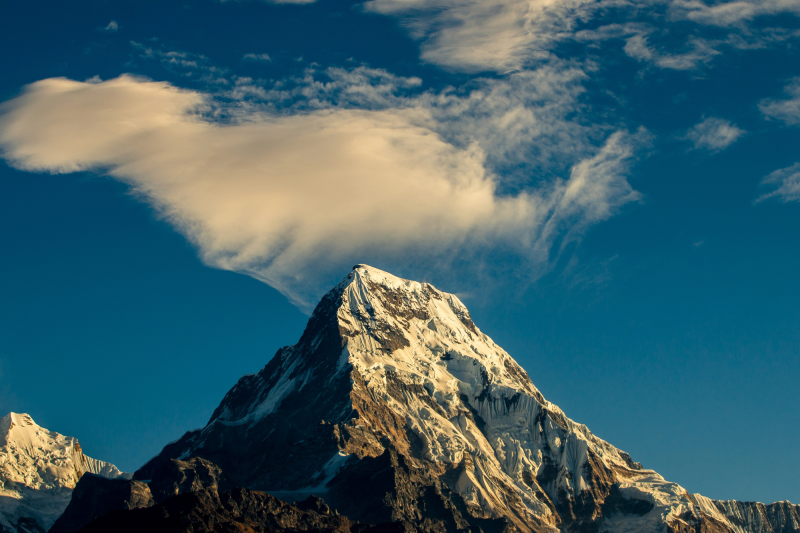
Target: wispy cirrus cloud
[733,13]
[194,66]
[288,198]
[494,35]
[690,55]
[359,87]
[257,57]
[786,183]
[700,52]
[524,122]
[509,35]
[714,134]
[784,109]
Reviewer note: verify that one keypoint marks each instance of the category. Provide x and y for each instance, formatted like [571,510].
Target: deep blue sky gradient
[672,330]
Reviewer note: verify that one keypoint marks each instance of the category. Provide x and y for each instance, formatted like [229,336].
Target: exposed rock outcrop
[176,477]
[778,517]
[754,517]
[236,511]
[94,496]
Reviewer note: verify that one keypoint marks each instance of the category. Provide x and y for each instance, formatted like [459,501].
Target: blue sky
[612,187]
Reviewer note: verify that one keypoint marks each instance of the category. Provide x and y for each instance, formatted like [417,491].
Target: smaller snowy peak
[38,470]
[42,459]
[35,457]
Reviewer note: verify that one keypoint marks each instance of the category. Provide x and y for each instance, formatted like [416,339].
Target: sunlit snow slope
[38,470]
[394,406]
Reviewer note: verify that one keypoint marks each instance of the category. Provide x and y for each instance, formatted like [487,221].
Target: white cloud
[112,26]
[787,109]
[509,35]
[701,51]
[527,123]
[731,13]
[787,182]
[361,87]
[286,198]
[714,134]
[690,55]
[485,35]
[520,121]
[257,57]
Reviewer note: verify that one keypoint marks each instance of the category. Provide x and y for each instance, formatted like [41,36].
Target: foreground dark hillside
[235,511]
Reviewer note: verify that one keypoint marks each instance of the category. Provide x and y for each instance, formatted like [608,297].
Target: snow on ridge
[378,274]
[43,459]
[409,332]
[38,470]
[756,517]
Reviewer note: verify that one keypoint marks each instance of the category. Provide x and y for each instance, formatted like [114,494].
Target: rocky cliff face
[38,471]
[95,496]
[235,511]
[754,517]
[394,406]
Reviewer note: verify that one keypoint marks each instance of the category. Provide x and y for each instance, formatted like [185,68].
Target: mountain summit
[394,406]
[38,470]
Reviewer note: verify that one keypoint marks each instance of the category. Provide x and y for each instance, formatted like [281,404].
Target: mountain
[394,406]
[38,470]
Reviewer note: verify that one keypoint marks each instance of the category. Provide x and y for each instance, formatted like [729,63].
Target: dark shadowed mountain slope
[95,497]
[236,511]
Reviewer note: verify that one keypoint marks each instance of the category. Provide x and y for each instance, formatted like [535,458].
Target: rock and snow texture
[38,470]
[753,517]
[395,406]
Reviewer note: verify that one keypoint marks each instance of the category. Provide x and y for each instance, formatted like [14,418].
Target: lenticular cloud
[283,198]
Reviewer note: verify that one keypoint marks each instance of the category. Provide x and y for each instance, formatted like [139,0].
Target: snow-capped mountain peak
[393,405]
[38,470]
